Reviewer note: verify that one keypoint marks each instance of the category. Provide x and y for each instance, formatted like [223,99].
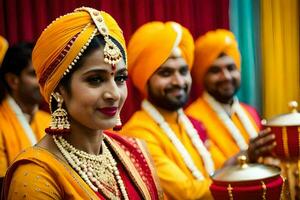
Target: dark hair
[16,59]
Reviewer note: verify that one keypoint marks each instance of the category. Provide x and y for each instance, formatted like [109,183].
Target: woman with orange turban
[80,62]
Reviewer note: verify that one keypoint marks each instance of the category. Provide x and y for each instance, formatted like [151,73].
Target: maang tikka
[59,124]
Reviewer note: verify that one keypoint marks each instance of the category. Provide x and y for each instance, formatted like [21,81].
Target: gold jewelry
[59,118]
[112,54]
[229,189]
[285,142]
[264,188]
[100,172]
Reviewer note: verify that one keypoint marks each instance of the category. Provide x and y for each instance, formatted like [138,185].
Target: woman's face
[97,92]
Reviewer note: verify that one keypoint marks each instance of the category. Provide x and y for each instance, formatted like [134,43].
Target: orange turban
[61,44]
[3,48]
[208,48]
[151,45]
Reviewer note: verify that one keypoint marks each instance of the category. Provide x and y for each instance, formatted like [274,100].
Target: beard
[168,100]
[222,95]
[31,95]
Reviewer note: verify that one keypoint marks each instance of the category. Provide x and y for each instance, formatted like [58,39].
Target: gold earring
[59,124]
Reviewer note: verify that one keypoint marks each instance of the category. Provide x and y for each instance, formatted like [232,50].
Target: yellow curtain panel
[280,55]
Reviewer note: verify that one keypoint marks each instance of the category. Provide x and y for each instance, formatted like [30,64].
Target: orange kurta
[216,130]
[176,179]
[13,138]
[39,174]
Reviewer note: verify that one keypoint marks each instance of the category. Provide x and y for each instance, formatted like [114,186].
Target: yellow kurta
[176,179]
[217,132]
[13,139]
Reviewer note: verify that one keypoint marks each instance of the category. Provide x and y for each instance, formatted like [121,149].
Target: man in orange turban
[229,124]
[22,124]
[160,56]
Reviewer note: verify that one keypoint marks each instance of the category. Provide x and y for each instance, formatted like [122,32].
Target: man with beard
[229,123]
[21,122]
[160,56]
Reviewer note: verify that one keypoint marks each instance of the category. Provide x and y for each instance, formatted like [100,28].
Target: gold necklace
[100,172]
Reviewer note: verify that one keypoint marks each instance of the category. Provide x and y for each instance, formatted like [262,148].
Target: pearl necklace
[100,172]
[192,133]
[230,126]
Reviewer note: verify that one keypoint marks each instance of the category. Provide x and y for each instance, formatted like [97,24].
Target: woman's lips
[109,111]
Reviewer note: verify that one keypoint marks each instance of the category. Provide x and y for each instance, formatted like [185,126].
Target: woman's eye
[121,79]
[95,80]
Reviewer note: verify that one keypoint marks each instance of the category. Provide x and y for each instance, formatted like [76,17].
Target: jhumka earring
[118,126]
[59,124]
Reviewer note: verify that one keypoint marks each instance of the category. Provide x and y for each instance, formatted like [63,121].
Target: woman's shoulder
[29,175]
[32,180]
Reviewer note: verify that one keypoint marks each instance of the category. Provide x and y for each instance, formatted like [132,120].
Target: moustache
[233,82]
[176,87]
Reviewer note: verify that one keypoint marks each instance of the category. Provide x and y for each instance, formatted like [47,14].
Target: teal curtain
[244,23]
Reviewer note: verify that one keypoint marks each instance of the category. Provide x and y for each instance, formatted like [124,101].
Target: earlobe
[12,80]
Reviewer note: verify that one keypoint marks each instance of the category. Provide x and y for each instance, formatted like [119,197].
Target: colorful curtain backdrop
[280,54]
[25,20]
[244,22]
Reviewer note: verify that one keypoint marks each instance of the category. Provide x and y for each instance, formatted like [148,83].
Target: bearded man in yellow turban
[22,124]
[229,123]
[160,56]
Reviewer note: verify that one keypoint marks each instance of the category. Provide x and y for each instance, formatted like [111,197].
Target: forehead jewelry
[112,54]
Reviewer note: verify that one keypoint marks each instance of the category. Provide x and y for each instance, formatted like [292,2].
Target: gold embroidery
[264,188]
[229,189]
[285,142]
[130,167]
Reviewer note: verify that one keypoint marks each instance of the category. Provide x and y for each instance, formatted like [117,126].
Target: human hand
[262,145]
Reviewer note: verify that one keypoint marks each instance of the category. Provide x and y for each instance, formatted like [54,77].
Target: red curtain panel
[24,20]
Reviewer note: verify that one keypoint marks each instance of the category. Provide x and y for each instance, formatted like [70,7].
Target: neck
[26,108]
[85,139]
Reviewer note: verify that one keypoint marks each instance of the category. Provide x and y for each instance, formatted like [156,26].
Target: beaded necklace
[226,120]
[193,135]
[100,172]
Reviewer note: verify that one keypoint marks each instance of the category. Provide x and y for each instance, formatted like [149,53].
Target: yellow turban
[3,48]
[151,45]
[62,42]
[208,48]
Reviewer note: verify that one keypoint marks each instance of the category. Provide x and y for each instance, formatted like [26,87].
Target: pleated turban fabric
[65,39]
[3,48]
[208,48]
[151,45]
